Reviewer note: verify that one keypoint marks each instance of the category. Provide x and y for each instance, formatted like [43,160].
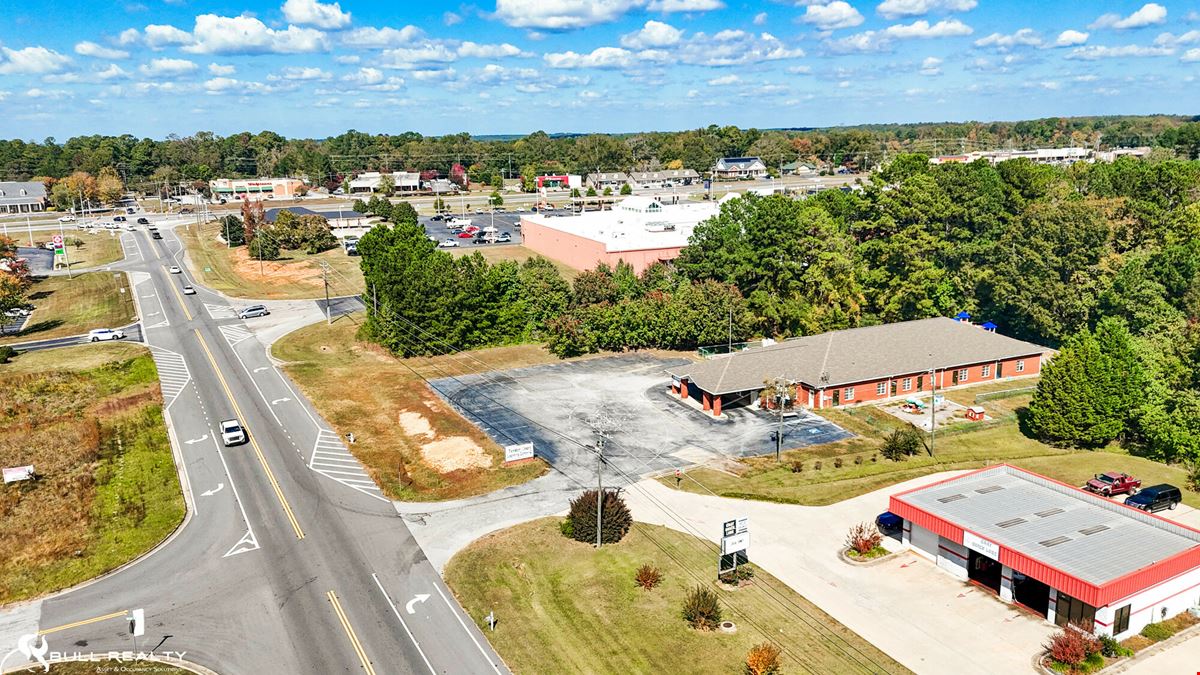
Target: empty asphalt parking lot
[553,407]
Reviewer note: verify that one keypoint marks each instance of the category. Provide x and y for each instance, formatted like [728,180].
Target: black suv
[1155,498]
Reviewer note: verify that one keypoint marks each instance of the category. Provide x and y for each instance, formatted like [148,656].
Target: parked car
[16,312]
[232,433]
[1155,498]
[119,219]
[253,311]
[457,231]
[888,522]
[130,210]
[186,210]
[174,269]
[465,235]
[436,217]
[86,226]
[480,239]
[448,243]
[1113,483]
[188,290]
[67,219]
[112,226]
[105,334]
[504,238]
[49,245]
[143,221]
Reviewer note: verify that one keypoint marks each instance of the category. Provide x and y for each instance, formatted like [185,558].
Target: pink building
[639,230]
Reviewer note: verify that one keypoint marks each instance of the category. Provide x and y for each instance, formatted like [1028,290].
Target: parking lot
[503,222]
[553,406]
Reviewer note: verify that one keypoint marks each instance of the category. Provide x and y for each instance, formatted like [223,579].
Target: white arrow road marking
[209,493]
[260,369]
[419,597]
[280,400]
[197,440]
[246,544]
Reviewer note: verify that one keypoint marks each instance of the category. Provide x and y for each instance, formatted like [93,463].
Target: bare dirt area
[280,271]
[446,454]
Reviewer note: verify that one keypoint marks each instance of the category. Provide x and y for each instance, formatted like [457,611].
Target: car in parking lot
[888,522]
[504,238]
[1113,483]
[174,269]
[17,312]
[101,334]
[1155,498]
[457,231]
[464,235]
[188,290]
[187,210]
[232,432]
[448,243]
[253,311]
[436,217]
[480,239]
[119,219]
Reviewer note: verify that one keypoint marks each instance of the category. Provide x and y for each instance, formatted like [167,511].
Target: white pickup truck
[232,433]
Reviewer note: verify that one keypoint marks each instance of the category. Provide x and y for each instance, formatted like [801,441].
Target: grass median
[295,275]
[73,306]
[415,447]
[833,472]
[564,607]
[89,419]
[94,249]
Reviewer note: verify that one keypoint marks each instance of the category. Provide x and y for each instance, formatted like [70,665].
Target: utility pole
[729,349]
[325,278]
[599,486]
[780,385]
[932,406]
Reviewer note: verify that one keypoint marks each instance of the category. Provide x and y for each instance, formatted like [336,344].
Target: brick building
[861,365]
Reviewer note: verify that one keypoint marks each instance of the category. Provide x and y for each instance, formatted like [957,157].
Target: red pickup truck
[1113,483]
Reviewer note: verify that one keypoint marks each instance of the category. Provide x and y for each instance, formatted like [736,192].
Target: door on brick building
[920,382]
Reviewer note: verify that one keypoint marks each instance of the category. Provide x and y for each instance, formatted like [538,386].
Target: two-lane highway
[292,562]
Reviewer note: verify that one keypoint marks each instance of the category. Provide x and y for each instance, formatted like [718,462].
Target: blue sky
[313,69]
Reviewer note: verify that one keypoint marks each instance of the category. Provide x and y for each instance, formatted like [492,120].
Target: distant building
[613,179]
[336,218]
[402,181]
[639,230]
[798,169]
[1053,156]
[260,188]
[665,178]
[738,168]
[1110,155]
[22,197]
[563,182]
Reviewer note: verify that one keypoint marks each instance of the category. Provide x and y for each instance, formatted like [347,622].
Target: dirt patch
[415,424]
[445,454]
[280,271]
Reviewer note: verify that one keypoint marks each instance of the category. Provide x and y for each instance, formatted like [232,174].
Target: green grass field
[106,489]
[100,248]
[563,607]
[836,471]
[73,306]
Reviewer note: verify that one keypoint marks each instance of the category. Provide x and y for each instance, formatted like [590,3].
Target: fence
[1004,393]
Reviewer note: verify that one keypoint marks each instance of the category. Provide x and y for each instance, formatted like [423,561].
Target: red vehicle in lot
[1113,483]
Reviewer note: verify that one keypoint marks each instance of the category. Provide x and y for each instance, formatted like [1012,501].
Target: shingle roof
[736,162]
[857,355]
[1084,535]
[10,192]
[666,174]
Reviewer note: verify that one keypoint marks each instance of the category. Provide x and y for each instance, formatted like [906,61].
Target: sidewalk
[918,614]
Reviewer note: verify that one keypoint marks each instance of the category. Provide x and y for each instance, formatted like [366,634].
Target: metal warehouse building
[1066,554]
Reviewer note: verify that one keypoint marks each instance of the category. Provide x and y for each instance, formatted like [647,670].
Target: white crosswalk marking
[173,374]
[235,333]
[220,311]
[330,459]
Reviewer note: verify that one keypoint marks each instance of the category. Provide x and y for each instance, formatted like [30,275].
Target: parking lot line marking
[84,622]
[287,508]
[358,648]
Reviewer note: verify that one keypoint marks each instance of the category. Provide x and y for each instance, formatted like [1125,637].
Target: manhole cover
[728,627]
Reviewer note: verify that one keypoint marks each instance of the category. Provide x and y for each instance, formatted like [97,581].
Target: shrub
[702,609]
[6,353]
[817,465]
[858,460]
[742,573]
[1071,646]
[1157,631]
[837,462]
[614,523]
[797,466]
[902,443]
[1113,649]
[1193,479]
[763,659]
[863,538]
[567,528]
[647,577]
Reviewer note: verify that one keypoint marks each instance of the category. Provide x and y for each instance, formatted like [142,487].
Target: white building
[403,181]
[663,178]
[260,188]
[22,197]
[739,168]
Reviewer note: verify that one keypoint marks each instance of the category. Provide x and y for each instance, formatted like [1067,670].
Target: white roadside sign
[520,451]
[735,544]
[18,473]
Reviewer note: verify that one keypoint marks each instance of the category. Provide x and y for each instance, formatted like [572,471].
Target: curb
[844,555]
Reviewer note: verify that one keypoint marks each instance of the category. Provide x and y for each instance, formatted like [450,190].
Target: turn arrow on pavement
[419,597]
[197,440]
[209,493]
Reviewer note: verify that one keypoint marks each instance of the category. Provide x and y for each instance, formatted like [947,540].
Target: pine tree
[1073,404]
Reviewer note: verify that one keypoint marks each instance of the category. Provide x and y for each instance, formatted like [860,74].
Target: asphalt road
[292,561]
[133,333]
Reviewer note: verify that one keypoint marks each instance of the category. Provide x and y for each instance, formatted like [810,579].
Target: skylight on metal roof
[1055,541]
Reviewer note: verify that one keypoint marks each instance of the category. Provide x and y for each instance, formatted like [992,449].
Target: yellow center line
[287,509]
[358,648]
[179,295]
[82,623]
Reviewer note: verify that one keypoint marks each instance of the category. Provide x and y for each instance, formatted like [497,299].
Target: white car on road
[174,269]
[105,334]
[67,219]
[232,433]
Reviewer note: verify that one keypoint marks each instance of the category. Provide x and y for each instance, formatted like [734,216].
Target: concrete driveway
[918,614]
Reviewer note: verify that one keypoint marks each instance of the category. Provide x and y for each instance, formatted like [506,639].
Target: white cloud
[837,14]
[451,19]
[112,72]
[167,67]
[428,53]
[724,81]
[50,94]
[652,34]
[222,84]
[1150,14]
[1171,40]
[158,36]
[760,19]
[313,13]
[31,61]
[301,73]
[561,14]
[1052,86]
[247,35]
[489,51]
[1025,37]
[894,9]
[364,76]
[87,48]
[668,6]
[1191,56]
[221,69]
[601,57]
[1070,38]
[1098,52]
[931,66]
[129,36]
[382,37]
[347,59]
[923,30]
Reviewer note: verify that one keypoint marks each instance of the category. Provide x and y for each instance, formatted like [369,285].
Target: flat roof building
[665,177]
[237,188]
[402,181]
[638,230]
[22,197]
[1066,554]
[858,365]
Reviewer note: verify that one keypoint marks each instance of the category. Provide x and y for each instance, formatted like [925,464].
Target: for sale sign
[18,473]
